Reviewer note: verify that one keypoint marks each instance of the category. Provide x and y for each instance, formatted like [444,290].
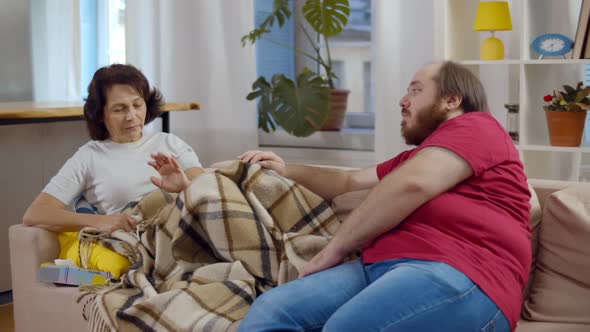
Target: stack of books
[581,49]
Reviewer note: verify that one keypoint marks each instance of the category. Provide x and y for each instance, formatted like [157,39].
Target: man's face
[422,111]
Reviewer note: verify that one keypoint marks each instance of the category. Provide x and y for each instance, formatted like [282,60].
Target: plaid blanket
[201,257]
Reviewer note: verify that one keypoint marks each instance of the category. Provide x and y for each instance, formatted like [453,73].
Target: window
[352,48]
[351,53]
[270,57]
[102,35]
[339,71]
[116,35]
[88,43]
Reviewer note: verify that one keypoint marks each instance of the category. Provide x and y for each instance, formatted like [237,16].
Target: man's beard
[425,124]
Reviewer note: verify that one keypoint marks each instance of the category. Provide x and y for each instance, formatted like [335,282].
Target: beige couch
[557,298]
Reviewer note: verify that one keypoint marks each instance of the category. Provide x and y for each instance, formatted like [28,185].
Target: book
[586,53]
[582,31]
[71,275]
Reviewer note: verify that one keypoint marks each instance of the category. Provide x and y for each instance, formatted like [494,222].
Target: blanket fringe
[96,321]
[91,310]
[88,236]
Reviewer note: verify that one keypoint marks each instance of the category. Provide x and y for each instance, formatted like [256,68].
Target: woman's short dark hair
[102,80]
[456,79]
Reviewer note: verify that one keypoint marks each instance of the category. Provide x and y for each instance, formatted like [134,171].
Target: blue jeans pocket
[495,325]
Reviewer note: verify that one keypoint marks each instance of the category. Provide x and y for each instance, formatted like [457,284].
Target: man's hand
[173,179]
[116,222]
[266,159]
[325,259]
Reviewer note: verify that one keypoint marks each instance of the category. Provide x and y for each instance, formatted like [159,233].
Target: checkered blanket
[201,257]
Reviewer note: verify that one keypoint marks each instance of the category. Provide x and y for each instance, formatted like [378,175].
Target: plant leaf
[574,107]
[569,90]
[263,91]
[327,17]
[580,95]
[300,109]
[280,11]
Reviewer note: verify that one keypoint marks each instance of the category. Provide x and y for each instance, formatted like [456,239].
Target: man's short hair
[102,80]
[455,79]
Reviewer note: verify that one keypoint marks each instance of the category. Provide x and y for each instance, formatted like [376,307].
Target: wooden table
[33,112]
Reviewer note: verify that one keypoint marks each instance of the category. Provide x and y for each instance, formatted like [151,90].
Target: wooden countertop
[57,110]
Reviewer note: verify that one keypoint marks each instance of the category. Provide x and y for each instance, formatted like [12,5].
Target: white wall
[15,85]
[31,155]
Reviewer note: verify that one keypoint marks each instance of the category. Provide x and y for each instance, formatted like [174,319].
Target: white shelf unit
[521,77]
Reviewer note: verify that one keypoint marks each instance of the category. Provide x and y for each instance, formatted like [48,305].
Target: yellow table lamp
[492,16]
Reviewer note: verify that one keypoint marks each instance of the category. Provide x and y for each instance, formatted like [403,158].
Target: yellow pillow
[101,258]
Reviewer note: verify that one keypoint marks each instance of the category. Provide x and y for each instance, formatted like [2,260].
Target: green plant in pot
[566,114]
[303,106]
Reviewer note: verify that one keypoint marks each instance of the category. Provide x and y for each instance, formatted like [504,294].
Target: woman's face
[124,113]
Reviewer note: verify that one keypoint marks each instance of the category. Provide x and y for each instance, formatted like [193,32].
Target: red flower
[548,98]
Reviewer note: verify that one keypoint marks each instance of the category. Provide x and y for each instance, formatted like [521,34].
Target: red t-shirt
[481,226]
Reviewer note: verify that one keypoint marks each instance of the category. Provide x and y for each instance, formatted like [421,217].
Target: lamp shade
[492,16]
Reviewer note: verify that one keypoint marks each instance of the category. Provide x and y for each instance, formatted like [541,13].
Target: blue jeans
[393,295]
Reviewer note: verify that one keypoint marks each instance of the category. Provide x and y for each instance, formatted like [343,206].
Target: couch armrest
[29,247]
[40,306]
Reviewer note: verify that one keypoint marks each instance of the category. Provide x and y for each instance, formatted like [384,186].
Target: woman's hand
[116,222]
[266,159]
[173,179]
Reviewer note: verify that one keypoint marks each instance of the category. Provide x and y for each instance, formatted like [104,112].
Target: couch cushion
[535,220]
[561,288]
[526,326]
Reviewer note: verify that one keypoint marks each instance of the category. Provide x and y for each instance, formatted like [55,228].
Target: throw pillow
[560,291]
[101,258]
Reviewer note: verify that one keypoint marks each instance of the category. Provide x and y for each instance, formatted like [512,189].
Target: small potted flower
[566,114]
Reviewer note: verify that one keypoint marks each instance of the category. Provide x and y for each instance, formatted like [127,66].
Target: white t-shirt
[110,175]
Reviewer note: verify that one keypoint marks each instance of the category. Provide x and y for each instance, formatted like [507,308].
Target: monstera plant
[300,107]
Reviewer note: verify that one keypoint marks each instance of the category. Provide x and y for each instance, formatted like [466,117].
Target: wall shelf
[521,77]
[550,148]
[525,62]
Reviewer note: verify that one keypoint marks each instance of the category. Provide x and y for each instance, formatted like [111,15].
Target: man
[444,232]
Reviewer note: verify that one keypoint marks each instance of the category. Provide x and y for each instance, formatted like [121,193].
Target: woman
[119,165]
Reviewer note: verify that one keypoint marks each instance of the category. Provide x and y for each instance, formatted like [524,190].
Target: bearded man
[444,232]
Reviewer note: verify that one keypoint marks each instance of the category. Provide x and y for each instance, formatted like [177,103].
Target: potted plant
[306,105]
[566,114]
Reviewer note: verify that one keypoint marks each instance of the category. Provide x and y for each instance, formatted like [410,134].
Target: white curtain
[55,42]
[402,44]
[191,50]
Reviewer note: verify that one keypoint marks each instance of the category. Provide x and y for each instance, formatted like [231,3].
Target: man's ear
[452,102]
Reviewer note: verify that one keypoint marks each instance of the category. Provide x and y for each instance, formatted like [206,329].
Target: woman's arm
[50,213]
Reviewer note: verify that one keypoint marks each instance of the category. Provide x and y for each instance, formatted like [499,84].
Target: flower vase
[565,128]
